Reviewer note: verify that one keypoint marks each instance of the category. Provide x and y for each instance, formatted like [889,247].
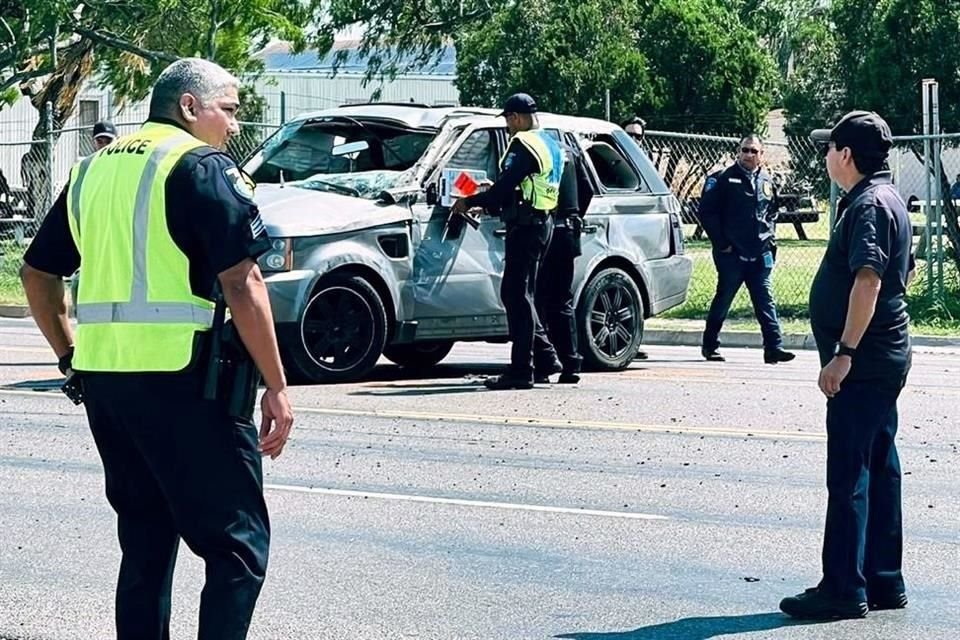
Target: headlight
[279,257]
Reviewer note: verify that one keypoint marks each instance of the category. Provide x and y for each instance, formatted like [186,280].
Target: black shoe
[712,355]
[506,381]
[541,375]
[641,355]
[778,355]
[569,377]
[887,601]
[814,604]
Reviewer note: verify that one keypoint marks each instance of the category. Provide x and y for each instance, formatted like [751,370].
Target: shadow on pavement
[701,628]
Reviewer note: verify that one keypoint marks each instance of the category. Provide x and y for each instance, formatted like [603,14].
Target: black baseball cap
[865,132]
[104,129]
[519,103]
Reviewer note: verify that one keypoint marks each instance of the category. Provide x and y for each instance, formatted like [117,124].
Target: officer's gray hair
[750,137]
[204,80]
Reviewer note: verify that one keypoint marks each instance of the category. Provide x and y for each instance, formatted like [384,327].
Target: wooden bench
[18,226]
[794,209]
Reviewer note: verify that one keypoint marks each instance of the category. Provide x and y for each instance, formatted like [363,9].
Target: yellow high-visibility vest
[135,309]
[541,190]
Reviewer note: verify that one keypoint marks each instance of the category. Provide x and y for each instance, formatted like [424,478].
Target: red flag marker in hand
[465,184]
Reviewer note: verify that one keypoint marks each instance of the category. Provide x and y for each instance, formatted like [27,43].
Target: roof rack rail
[385,104]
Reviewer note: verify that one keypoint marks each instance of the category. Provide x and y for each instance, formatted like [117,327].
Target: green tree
[710,70]
[881,51]
[567,53]
[49,48]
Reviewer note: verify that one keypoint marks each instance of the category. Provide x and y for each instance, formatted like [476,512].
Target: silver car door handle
[500,233]
[590,228]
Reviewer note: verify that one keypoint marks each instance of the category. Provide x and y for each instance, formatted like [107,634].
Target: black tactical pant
[554,298]
[524,248]
[177,466]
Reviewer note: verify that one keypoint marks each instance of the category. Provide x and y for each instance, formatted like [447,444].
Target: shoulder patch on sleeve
[238,183]
[710,184]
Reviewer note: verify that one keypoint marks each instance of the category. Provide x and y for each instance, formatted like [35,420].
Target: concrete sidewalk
[688,333]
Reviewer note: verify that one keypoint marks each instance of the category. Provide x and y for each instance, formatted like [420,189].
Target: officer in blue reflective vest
[526,194]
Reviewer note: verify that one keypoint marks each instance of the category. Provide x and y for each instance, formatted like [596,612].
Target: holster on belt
[230,375]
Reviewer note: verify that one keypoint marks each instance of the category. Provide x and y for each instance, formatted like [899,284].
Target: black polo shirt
[210,218]
[872,231]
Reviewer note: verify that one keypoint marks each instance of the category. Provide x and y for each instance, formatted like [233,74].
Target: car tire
[418,355]
[341,333]
[610,319]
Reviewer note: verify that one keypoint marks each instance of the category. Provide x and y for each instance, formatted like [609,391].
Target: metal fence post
[48,118]
[834,197]
[283,107]
[929,191]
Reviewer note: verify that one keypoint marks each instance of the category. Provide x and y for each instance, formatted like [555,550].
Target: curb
[14,311]
[692,338]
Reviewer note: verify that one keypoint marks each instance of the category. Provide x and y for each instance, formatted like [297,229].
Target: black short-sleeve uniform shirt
[210,215]
[872,231]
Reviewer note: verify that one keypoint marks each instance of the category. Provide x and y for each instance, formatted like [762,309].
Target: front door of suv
[457,269]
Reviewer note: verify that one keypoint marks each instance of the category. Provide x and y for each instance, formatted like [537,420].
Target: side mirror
[349,147]
[432,198]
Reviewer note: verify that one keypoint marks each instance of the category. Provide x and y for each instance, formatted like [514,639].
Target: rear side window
[613,168]
[477,153]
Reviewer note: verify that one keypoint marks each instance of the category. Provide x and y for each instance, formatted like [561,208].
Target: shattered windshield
[310,155]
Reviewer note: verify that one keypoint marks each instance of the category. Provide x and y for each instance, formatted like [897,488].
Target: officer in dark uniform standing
[554,299]
[738,210]
[859,318]
[159,221]
[526,194]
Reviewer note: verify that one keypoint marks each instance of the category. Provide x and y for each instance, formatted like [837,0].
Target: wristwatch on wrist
[840,349]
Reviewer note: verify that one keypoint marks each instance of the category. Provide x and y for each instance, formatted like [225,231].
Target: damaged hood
[291,212]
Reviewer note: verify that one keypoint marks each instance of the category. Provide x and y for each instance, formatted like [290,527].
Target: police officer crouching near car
[554,298]
[526,195]
[738,210]
[159,221]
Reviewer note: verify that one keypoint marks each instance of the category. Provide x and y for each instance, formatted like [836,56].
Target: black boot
[507,381]
[773,356]
[814,604]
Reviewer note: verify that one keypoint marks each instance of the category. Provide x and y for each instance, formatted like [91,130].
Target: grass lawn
[11,257]
[797,264]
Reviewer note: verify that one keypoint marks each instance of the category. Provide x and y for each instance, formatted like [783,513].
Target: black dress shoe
[569,377]
[712,355]
[814,604]
[641,355]
[506,381]
[880,602]
[541,375]
[778,355]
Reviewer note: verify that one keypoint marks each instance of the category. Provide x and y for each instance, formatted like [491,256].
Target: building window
[89,115]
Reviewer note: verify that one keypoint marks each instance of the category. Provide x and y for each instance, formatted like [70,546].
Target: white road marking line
[402,497]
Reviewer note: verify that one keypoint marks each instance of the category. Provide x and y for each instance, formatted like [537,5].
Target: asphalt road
[677,499]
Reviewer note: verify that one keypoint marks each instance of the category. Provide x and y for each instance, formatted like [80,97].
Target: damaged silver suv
[367,261]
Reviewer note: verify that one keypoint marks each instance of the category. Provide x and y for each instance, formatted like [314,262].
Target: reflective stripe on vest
[135,332]
[541,190]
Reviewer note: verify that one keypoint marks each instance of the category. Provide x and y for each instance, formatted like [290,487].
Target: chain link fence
[804,220]
[33,172]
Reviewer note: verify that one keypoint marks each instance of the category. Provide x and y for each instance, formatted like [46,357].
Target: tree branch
[17,78]
[111,40]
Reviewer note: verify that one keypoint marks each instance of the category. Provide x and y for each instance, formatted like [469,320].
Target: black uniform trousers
[524,248]
[732,273]
[177,466]
[554,299]
[863,537]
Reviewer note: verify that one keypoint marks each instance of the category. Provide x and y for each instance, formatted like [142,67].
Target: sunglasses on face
[749,151]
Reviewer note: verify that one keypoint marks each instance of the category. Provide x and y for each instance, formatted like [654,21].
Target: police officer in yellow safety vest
[158,221]
[526,195]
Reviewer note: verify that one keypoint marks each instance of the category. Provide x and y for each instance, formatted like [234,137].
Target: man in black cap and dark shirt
[859,319]
[526,194]
[103,134]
